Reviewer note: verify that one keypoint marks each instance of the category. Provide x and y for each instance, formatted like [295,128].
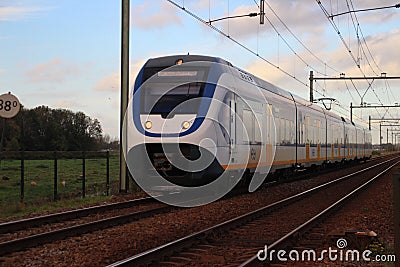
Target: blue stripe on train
[209,90]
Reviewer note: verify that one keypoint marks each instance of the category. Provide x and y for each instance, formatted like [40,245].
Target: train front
[170,139]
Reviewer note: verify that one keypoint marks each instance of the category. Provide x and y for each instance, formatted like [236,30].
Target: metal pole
[83,175]
[351,112]
[108,174]
[22,176]
[380,136]
[123,174]
[387,137]
[55,191]
[396,215]
[262,11]
[369,119]
[311,86]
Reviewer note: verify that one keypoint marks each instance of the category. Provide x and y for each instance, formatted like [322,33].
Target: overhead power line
[349,50]
[298,39]
[236,41]
[289,46]
[234,17]
[366,9]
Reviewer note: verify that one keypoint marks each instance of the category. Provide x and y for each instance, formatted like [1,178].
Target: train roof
[171,60]
[167,61]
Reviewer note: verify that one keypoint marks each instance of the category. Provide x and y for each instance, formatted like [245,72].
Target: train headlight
[148,124]
[185,125]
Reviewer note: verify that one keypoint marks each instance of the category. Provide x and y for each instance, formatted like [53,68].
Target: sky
[66,53]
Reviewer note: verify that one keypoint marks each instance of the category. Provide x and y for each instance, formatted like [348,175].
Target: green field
[39,182]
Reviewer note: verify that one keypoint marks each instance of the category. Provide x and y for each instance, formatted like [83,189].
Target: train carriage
[206,106]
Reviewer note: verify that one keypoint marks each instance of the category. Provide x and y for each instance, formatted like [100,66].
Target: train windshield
[159,99]
[172,90]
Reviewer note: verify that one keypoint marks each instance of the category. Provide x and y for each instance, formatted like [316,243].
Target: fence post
[396,215]
[108,173]
[22,176]
[55,177]
[83,175]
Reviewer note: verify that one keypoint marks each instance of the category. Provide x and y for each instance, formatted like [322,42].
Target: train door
[269,135]
[269,128]
[232,124]
[300,141]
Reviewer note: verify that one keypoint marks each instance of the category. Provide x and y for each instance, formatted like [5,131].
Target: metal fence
[45,158]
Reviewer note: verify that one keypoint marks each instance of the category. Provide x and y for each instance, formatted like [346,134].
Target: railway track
[32,232]
[292,238]
[17,225]
[26,233]
[238,240]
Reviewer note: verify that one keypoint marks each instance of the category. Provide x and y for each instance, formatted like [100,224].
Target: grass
[39,183]
[18,209]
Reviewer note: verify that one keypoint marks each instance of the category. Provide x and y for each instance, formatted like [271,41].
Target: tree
[43,128]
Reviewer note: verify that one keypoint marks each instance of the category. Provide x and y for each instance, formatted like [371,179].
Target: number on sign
[9,106]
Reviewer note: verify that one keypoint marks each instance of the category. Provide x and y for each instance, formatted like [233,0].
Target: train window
[269,123]
[287,132]
[302,133]
[312,133]
[277,130]
[224,117]
[248,126]
[150,71]
[292,132]
[174,74]
[258,127]
[318,131]
[307,130]
[157,98]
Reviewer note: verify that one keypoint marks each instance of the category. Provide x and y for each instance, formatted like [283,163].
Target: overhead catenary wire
[358,29]
[336,28]
[236,41]
[365,42]
[348,49]
[304,46]
[297,38]
[289,46]
[366,9]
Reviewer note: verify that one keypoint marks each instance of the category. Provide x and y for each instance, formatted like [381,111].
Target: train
[193,118]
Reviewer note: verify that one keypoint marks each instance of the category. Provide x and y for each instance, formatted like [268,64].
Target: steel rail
[155,254]
[253,261]
[51,236]
[22,224]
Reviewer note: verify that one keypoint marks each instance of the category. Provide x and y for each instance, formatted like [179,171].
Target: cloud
[206,4]
[13,13]
[112,82]
[150,16]
[55,70]
[383,47]
[275,76]
[299,17]
[66,104]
